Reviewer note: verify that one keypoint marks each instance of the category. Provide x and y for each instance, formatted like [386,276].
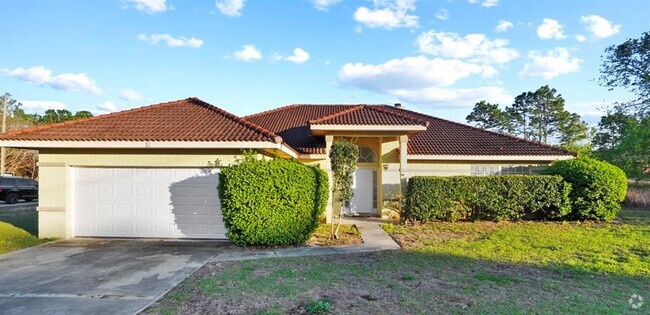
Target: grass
[319,307]
[13,238]
[476,268]
[348,234]
[621,247]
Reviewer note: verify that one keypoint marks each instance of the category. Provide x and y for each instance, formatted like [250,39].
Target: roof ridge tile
[272,136]
[400,115]
[336,114]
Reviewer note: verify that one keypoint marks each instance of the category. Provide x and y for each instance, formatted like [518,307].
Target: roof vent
[399,105]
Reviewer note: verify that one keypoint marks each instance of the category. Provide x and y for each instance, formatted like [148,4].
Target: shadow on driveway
[91,276]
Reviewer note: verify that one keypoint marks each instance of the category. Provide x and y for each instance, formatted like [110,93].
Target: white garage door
[147,202]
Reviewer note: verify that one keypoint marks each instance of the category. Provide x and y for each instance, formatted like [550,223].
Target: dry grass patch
[348,235]
[638,196]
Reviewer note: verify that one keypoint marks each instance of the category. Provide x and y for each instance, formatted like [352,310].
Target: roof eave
[321,129]
[92,144]
[532,158]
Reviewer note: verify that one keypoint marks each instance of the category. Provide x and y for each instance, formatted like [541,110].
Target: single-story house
[153,171]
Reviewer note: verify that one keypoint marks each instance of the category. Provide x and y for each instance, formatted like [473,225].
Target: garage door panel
[138,202]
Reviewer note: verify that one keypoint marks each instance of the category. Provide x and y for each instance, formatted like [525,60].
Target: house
[145,172]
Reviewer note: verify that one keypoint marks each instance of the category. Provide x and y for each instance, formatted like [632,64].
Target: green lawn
[13,238]
[491,268]
[621,247]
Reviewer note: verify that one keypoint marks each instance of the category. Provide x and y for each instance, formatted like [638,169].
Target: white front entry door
[147,202]
[363,189]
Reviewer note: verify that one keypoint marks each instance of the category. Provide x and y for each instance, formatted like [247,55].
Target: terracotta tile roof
[184,120]
[367,115]
[442,137]
[194,120]
[292,124]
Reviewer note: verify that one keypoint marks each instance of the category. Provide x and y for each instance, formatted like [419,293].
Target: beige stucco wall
[56,165]
[55,180]
[455,168]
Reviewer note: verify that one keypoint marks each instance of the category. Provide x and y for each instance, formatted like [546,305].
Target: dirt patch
[348,235]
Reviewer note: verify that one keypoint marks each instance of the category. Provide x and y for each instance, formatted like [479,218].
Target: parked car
[13,189]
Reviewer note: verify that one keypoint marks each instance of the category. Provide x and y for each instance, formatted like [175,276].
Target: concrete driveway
[95,276]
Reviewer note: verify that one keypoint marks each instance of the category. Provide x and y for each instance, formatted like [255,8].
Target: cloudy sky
[438,57]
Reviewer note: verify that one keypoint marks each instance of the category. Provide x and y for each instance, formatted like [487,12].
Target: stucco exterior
[56,167]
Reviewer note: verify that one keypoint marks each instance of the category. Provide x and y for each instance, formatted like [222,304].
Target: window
[374,190]
[366,155]
[485,170]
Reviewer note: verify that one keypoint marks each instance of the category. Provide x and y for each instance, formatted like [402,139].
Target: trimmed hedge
[272,202]
[509,197]
[599,188]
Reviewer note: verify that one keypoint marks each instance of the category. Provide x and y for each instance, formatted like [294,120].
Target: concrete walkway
[374,239]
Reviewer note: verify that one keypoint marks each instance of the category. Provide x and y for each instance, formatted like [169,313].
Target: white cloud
[147,6]
[130,95]
[107,106]
[33,106]
[581,38]
[453,97]
[589,111]
[422,80]
[299,56]
[475,47]
[485,3]
[324,5]
[504,26]
[550,29]
[171,41]
[230,7]
[388,14]
[40,75]
[409,72]
[600,26]
[442,14]
[554,63]
[490,3]
[248,53]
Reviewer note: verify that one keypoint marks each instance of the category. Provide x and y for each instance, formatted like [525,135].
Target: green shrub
[272,202]
[510,197]
[319,307]
[598,187]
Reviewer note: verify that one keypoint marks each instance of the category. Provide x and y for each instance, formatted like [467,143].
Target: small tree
[343,158]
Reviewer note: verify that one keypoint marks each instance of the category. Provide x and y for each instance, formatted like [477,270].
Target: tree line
[538,116]
[22,162]
[622,136]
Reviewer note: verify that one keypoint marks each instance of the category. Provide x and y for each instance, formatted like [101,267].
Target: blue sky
[438,57]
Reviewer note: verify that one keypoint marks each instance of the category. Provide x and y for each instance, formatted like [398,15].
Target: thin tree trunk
[338,225]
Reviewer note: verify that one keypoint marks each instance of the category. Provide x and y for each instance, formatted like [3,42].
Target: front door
[364,189]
